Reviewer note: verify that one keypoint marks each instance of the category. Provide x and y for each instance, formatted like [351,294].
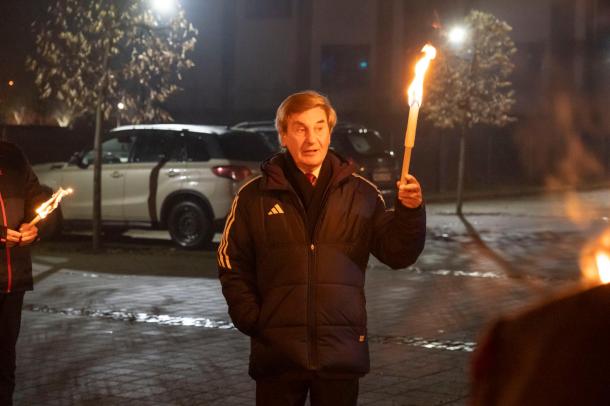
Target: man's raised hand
[410,194]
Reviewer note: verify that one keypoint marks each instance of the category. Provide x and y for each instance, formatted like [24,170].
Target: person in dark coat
[20,193]
[293,256]
[553,354]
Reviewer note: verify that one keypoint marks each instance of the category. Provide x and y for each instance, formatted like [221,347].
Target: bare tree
[91,55]
[469,82]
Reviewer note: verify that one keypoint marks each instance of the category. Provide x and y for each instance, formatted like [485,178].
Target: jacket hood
[274,177]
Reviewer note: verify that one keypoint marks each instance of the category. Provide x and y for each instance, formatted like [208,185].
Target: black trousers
[10,323]
[322,392]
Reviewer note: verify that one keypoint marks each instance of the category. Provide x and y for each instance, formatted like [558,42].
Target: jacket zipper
[311,313]
[8,250]
[313,271]
[311,336]
[312,350]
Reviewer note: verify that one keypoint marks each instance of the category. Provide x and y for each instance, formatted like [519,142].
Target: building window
[345,66]
[268,8]
[602,30]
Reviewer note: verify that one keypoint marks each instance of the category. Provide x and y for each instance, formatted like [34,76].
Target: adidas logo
[275,210]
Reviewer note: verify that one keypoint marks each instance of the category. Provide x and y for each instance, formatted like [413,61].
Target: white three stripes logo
[275,210]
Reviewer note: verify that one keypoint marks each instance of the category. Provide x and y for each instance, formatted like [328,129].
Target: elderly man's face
[307,138]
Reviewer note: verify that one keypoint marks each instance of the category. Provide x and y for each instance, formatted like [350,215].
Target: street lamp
[464,43]
[121,107]
[164,7]
[457,35]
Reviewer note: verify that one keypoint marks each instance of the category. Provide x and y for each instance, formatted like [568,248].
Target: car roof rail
[268,124]
[254,124]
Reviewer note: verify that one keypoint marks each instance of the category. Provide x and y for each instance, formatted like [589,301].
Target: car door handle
[172,173]
[116,174]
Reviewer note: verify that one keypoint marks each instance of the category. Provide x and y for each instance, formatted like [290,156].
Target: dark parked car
[357,143]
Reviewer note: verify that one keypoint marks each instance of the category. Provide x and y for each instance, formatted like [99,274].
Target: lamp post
[164,7]
[458,36]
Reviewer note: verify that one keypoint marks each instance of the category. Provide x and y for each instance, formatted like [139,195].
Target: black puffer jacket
[302,299]
[20,193]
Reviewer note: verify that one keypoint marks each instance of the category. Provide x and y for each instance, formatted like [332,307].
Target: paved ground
[145,324]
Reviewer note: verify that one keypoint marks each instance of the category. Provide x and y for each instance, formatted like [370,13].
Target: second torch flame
[47,207]
[595,260]
[603,267]
[415,93]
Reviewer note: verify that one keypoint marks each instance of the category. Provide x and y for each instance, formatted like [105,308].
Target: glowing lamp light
[457,35]
[121,106]
[11,83]
[164,6]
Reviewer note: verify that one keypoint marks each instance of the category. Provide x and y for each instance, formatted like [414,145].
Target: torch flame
[595,260]
[416,88]
[602,261]
[47,207]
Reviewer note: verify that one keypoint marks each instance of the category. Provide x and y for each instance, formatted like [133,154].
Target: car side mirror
[79,160]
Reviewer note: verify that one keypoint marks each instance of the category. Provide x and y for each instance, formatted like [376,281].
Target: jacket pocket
[282,306]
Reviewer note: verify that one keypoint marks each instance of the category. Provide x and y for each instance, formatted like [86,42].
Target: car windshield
[358,144]
[246,146]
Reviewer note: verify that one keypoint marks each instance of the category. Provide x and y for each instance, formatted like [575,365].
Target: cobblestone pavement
[146,324]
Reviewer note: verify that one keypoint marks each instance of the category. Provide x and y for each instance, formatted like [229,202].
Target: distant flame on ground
[595,260]
[603,266]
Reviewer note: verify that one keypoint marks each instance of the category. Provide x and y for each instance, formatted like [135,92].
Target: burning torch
[415,93]
[47,207]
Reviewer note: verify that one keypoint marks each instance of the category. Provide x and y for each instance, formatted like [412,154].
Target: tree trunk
[97,176]
[97,147]
[442,163]
[460,182]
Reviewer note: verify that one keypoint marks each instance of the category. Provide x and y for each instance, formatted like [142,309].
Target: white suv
[179,177]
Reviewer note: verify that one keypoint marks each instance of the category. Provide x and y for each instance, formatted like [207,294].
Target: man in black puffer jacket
[293,256]
[20,193]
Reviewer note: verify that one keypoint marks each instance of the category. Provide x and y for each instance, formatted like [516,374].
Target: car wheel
[189,225]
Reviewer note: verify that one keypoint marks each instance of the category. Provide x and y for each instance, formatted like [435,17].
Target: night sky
[17,39]
[16,17]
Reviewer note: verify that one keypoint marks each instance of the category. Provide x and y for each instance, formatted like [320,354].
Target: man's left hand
[410,194]
[29,234]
